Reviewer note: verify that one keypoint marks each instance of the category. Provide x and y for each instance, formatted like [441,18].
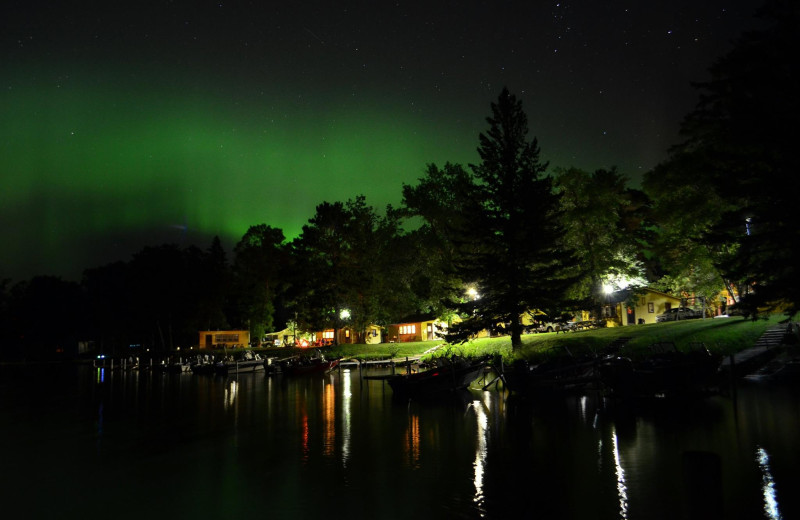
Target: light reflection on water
[329,422]
[346,414]
[770,496]
[411,441]
[481,450]
[254,444]
[229,396]
[622,488]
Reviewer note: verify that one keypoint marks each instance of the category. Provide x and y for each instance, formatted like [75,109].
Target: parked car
[547,326]
[551,326]
[679,313]
[585,325]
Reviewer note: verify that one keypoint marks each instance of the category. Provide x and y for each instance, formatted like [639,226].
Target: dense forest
[714,219]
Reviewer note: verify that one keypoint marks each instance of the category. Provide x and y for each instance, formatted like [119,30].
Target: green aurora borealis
[126,124]
[114,161]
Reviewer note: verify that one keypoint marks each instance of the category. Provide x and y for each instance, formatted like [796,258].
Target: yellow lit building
[641,308]
[224,339]
[417,328]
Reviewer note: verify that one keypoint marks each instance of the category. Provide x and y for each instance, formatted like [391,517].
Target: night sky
[125,124]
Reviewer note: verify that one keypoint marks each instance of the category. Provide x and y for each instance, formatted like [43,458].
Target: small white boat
[250,363]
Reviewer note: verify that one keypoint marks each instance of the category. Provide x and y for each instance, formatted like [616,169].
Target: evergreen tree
[110,307]
[213,270]
[739,149]
[319,256]
[163,289]
[258,270]
[512,250]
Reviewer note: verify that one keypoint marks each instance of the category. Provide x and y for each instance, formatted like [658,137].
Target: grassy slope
[723,335]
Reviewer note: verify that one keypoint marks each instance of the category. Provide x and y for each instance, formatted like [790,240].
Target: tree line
[486,242]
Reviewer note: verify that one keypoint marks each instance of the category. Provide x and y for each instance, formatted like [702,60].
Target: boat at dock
[177,367]
[204,368]
[249,363]
[305,366]
[448,376]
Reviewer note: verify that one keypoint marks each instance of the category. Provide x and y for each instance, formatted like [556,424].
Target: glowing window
[408,329]
[328,334]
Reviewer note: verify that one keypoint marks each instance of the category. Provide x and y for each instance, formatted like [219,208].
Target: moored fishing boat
[204,367]
[304,366]
[177,367]
[249,363]
[450,375]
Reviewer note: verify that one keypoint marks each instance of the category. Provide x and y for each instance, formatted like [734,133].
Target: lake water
[81,442]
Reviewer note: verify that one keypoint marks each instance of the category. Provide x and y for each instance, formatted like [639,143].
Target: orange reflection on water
[301,410]
[329,418]
[411,441]
[305,435]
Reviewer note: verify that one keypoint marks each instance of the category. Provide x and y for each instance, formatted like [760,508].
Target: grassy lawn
[722,335]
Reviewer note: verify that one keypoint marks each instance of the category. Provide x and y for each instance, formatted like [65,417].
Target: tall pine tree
[740,145]
[511,248]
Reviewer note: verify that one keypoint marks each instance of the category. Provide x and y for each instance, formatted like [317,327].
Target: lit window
[408,329]
[328,334]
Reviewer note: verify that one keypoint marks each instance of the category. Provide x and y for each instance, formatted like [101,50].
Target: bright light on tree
[620,282]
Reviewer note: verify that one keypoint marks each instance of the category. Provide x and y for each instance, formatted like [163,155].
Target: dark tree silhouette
[740,149]
[216,278]
[441,199]
[344,262]
[259,273]
[110,307]
[45,318]
[512,250]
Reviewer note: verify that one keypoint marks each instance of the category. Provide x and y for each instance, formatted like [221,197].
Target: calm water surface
[88,443]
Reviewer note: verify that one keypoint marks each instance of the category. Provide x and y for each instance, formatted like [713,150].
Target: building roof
[416,318]
[624,295]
